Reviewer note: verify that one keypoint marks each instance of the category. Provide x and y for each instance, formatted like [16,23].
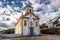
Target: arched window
[30,10]
[25,23]
[36,24]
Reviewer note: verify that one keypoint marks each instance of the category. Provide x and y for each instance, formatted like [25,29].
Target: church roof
[28,14]
[28,6]
[54,19]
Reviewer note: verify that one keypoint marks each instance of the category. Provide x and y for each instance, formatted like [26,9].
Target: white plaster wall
[31,16]
[25,29]
[18,29]
[37,31]
[50,25]
[36,28]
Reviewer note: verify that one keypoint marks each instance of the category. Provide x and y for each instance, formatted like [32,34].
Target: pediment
[31,15]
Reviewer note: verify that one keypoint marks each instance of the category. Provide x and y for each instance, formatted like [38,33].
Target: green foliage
[8,31]
[51,31]
[56,22]
[58,25]
[43,26]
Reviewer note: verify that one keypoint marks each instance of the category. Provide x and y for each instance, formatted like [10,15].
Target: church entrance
[31,31]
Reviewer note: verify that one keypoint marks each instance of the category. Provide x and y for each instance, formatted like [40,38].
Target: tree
[9,31]
[42,26]
[58,24]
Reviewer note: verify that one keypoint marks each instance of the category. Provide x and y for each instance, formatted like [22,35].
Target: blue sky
[10,9]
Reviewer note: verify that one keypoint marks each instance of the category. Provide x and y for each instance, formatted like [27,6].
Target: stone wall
[45,37]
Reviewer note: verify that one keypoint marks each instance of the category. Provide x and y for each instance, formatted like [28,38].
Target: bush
[51,31]
[42,26]
[58,25]
[8,31]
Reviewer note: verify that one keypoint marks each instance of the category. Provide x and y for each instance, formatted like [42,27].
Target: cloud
[2,28]
[8,17]
[47,16]
[1,4]
[35,6]
[34,1]
[13,2]
[45,1]
[8,13]
[3,25]
[55,3]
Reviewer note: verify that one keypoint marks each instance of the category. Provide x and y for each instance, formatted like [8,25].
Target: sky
[11,10]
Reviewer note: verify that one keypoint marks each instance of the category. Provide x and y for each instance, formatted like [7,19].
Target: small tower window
[25,23]
[36,24]
[30,10]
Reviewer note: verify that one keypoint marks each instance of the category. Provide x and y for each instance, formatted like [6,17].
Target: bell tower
[29,9]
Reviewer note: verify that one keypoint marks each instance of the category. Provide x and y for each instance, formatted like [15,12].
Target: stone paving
[45,37]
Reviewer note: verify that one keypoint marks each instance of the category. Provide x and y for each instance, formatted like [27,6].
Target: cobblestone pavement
[45,37]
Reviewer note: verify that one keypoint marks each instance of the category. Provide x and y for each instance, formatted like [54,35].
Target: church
[28,23]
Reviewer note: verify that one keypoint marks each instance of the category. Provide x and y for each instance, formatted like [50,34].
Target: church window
[36,24]
[25,23]
[30,10]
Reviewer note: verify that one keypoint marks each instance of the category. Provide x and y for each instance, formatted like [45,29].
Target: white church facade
[28,23]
